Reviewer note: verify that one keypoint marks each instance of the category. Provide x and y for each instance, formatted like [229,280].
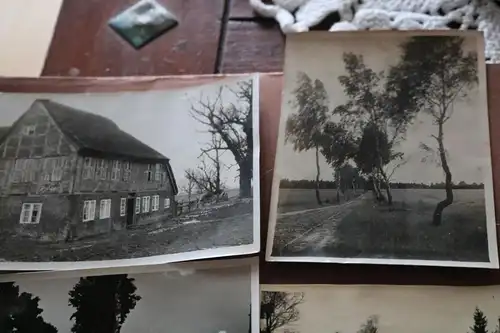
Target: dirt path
[147,241]
[310,230]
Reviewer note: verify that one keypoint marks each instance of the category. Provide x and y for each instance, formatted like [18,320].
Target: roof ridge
[68,107]
[97,133]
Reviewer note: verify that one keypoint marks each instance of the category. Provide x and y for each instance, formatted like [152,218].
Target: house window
[137,205]
[29,173]
[18,171]
[29,130]
[102,169]
[156,203]
[31,213]
[126,171]
[25,170]
[158,172]
[167,203]
[115,173]
[88,168]
[149,173]
[58,165]
[47,169]
[145,204]
[164,175]
[123,206]
[105,209]
[88,210]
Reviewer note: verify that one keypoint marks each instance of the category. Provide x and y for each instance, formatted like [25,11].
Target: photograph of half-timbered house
[86,177]
[85,182]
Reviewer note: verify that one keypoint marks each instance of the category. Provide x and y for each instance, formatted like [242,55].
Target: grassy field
[299,199]
[404,231]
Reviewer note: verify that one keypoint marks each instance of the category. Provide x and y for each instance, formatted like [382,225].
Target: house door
[130,211]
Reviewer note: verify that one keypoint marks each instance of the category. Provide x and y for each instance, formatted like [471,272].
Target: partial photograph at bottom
[191,300]
[384,309]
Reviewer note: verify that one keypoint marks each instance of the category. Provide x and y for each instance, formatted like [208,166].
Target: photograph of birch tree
[395,153]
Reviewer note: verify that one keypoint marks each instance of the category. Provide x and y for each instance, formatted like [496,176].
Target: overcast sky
[160,119]
[465,133]
[207,301]
[409,309]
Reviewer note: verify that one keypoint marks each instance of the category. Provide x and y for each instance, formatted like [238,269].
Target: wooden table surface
[213,36]
[223,36]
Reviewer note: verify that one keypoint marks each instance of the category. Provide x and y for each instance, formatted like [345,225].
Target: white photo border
[220,252]
[251,263]
[488,184]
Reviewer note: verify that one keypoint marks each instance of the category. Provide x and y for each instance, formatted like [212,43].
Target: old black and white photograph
[190,300]
[379,308]
[107,179]
[383,154]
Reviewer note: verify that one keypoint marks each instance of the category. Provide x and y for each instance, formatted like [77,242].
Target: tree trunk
[376,185]
[438,212]
[268,324]
[337,184]
[374,189]
[318,198]
[246,179]
[387,185]
[388,193]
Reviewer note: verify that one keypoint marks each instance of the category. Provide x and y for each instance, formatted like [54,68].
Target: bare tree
[232,122]
[279,309]
[189,188]
[207,176]
[370,326]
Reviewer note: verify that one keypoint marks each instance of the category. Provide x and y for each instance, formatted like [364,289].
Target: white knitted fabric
[483,15]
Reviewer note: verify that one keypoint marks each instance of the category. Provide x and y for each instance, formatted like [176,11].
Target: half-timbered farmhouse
[67,173]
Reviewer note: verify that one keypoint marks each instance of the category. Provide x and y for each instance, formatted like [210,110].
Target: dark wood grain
[106,84]
[84,45]
[308,273]
[252,47]
[241,10]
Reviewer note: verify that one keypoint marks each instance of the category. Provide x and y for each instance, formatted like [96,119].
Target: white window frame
[149,173]
[138,205]
[123,206]
[88,168]
[101,169]
[115,172]
[28,129]
[146,203]
[156,203]
[18,173]
[31,170]
[90,206]
[27,211]
[58,165]
[127,170]
[105,209]
[158,172]
[166,203]
[47,169]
